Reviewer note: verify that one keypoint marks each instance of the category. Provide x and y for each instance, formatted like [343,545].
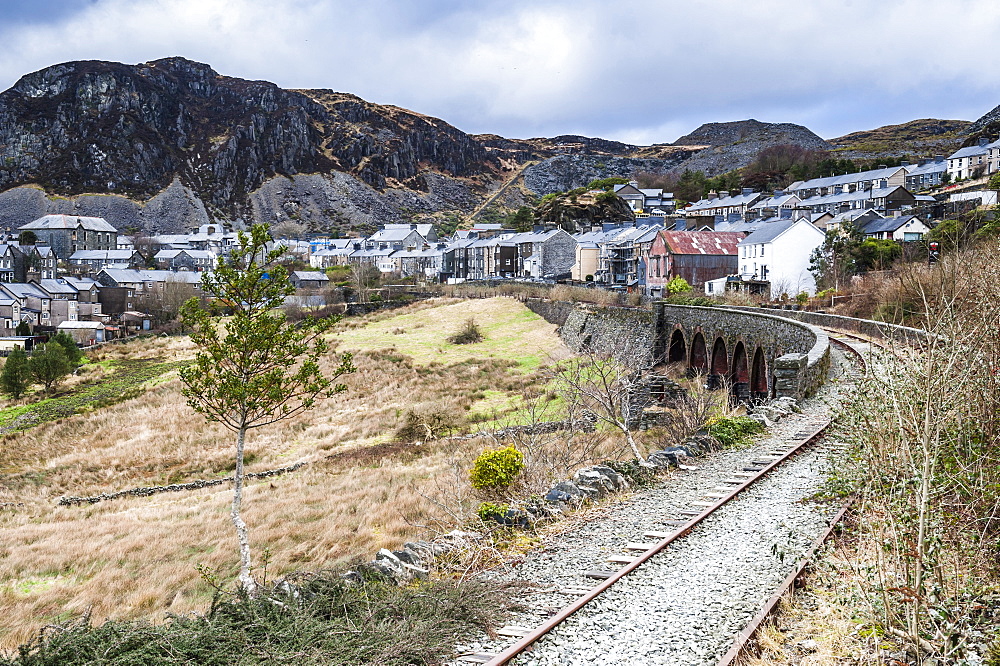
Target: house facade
[695,256]
[66,234]
[778,252]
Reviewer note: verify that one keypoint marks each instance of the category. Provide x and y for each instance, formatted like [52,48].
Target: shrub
[488,511]
[735,431]
[469,334]
[49,364]
[496,469]
[677,286]
[73,353]
[423,426]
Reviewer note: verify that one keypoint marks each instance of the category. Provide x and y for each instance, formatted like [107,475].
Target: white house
[902,228]
[972,161]
[778,251]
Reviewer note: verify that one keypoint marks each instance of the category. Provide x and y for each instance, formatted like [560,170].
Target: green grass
[125,380]
[510,332]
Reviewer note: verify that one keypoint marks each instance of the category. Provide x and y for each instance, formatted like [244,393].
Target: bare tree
[611,384]
[364,277]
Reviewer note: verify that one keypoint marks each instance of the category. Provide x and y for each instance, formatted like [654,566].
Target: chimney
[785,213]
[939,158]
[713,195]
[922,161]
[983,141]
[634,183]
[413,227]
[537,228]
[777,193]
[904,163]
[882,166]
[723,194]
[747,191]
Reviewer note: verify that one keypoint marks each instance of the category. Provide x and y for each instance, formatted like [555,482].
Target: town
[81,275]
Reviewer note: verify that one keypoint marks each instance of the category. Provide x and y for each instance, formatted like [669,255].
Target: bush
[678,286]
[424,426]
[469,334]
[496,469]
[73,353]
[488,511]
[735,431]
[49,364]
[327,621]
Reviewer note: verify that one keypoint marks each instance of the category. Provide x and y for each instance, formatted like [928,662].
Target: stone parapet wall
[866,327]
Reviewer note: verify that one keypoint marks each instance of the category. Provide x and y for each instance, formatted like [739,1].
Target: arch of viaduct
[756,355]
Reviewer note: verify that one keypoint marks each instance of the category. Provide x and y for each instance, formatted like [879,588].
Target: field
[138,557]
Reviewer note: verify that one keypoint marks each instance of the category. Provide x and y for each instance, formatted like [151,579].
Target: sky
[638,71]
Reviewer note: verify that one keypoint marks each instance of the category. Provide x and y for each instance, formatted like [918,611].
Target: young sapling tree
[254,368]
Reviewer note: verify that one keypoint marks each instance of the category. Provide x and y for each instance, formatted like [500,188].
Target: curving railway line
[696,592]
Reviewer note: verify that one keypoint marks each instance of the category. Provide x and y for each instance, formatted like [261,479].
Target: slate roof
[702,242]
[57,287]
[730,201]
[884,224]
[773,202]
[102,255]
[311,276]
[120,275]
[768,231]
[929,167]
[846,197]
[70,222]
[968,151]
[24,289]
[830,181]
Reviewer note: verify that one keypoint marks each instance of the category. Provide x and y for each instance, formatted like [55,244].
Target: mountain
[987,126]
[175,131]
[918,137]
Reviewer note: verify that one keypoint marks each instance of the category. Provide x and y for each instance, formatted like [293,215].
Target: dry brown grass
[137,557]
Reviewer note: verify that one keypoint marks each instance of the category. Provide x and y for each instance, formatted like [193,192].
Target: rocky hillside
[988,126]
[578,212]
[728,146]
[177,130]
[927,136]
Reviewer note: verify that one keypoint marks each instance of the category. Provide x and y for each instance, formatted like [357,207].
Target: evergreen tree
[16,376]
[49,364]
[24,328]
[256,368]
[73,353]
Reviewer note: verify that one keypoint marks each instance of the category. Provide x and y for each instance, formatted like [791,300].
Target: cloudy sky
[641,71]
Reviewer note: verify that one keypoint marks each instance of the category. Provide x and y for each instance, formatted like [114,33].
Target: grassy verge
[326,622]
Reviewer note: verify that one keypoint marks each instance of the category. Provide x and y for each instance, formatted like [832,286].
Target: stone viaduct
[755,355]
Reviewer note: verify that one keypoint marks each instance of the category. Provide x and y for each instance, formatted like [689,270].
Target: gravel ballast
[687,604]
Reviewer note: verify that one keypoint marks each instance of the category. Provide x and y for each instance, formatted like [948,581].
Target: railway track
[645,550]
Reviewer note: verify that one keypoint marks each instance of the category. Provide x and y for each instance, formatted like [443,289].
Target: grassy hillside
[137,557]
